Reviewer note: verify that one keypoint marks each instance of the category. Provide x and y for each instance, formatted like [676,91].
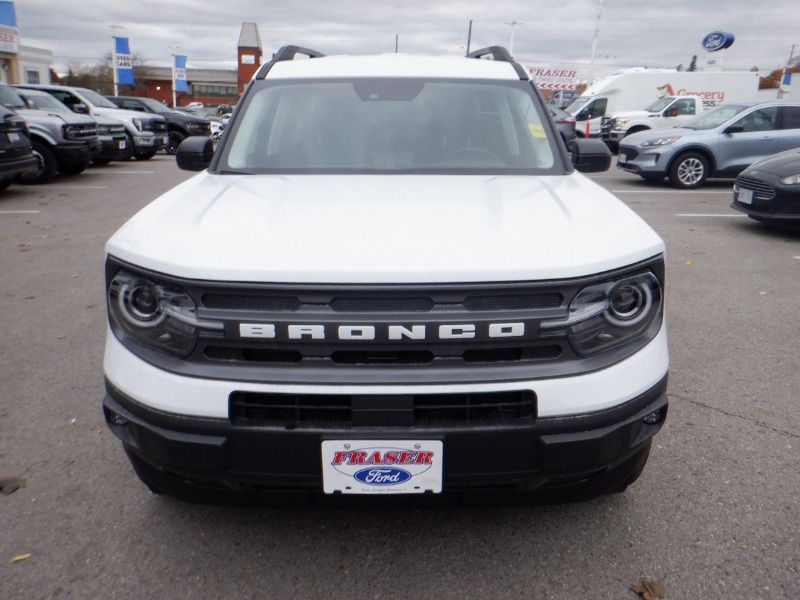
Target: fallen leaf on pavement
[20,558]
[10,484]
[649,590]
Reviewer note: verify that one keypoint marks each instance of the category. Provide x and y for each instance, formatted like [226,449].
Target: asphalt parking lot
[715,515]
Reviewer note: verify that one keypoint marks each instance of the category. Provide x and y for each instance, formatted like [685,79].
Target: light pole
[114,57]
[511,40]
[594,40]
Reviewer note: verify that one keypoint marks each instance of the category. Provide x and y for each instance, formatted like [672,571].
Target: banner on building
[123,65]
[9,34]
[553,79]
[179,74]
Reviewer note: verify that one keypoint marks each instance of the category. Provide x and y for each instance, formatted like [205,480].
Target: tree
[679,67]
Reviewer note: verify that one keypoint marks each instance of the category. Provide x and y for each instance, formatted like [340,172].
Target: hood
[632,114]
[125,115]
[783,164]
[637,138]
[107,121]
[384,229]
[179,117]
[34,115]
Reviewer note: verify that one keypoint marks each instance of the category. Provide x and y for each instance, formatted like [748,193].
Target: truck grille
[81,132]
[356,410]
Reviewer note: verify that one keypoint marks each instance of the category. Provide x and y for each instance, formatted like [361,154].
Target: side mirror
[735,128]
[591,155]
[80,108]
[195,153]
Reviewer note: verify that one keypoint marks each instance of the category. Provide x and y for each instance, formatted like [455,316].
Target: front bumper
[150,143]
[544,453]
[645,162]
[69,154]
[113,147]
[780,206]
[10,168]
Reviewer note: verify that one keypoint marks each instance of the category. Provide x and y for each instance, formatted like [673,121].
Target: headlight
[138,124]
[662,141]
[153,314]
[620,122]
[70,131]
[791,180]
[604,316]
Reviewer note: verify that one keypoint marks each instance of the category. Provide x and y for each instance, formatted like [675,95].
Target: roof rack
[286,53]
[501,54]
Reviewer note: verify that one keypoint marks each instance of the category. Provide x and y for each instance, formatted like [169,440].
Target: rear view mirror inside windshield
[397,90]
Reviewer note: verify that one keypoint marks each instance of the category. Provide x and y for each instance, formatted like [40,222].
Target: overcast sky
[555,33]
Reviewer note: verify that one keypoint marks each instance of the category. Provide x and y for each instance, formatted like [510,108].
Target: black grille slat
[298,410]
[761,190]
[251,302]
[513,302]
[381,304]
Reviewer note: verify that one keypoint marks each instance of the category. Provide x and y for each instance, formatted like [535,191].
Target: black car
[16,152]
[565,123]
[769,190]
[179,125]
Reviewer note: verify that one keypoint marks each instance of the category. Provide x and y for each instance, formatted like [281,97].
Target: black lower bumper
[545,452]
[72,154]
[12,167]
[110,149]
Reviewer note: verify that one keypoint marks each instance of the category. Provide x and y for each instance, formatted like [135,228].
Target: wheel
[74,169]
[175,139]
[145,155]
[689,170]
[47,164]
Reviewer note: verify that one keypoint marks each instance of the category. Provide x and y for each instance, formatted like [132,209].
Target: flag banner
[179,74]
[9,34]
[786,82]
[123,65]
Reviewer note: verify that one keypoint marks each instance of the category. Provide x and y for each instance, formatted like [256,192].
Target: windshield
[10,98]
[390,126]
[715,118]
[96,99]
[659,105]
[577,105]
[154,105]
[46,102]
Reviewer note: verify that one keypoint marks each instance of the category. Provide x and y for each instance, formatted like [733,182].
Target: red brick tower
[249,54]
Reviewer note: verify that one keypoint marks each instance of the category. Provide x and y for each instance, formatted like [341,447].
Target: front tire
[47,164]
[688,171]
[175,139]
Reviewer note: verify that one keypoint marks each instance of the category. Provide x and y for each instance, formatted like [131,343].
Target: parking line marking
[83,187]
[726,192]
[711,215]
[19,212]
[126,172]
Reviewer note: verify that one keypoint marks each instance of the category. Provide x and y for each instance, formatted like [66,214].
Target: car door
[789,132]
[750,138]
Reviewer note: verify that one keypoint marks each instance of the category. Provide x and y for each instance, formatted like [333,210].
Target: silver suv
[719,143]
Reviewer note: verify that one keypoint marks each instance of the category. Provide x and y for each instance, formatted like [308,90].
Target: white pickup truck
[666,112]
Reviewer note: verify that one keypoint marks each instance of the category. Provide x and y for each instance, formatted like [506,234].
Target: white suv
[388,279]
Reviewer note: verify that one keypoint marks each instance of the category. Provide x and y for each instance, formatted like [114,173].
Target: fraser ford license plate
[382,466]
[745,196]
[122,144]
[623,158]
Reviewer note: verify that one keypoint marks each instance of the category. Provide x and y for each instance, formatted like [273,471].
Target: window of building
[32,76]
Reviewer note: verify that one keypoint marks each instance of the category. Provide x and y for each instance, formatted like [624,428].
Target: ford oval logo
[718,40]
[382,476]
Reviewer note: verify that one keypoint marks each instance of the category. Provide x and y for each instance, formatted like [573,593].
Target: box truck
[635,89]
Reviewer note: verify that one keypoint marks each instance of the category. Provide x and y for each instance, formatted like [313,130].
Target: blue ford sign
[382,476]
[718,40]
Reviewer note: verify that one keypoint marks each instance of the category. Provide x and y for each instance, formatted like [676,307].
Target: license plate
[382,466]
[13,137]
[123,144]
[165,139]
[623,158]
[745,196]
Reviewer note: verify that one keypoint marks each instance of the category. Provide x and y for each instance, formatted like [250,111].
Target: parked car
[16,153]
[468,311]
[113,143]
[147,134]
[720,143]
[769,190]
[179,125]
[62,143]
[565,123]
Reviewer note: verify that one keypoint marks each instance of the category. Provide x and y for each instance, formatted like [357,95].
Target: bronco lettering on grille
[455,331]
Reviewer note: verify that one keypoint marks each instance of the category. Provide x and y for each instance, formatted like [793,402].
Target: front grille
[761,190]
[156,126]
[607,124]
[81,132]
[628,152]
[357,410]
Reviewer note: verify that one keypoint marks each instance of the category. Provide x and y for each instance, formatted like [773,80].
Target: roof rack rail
[503,55]
[286,53]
